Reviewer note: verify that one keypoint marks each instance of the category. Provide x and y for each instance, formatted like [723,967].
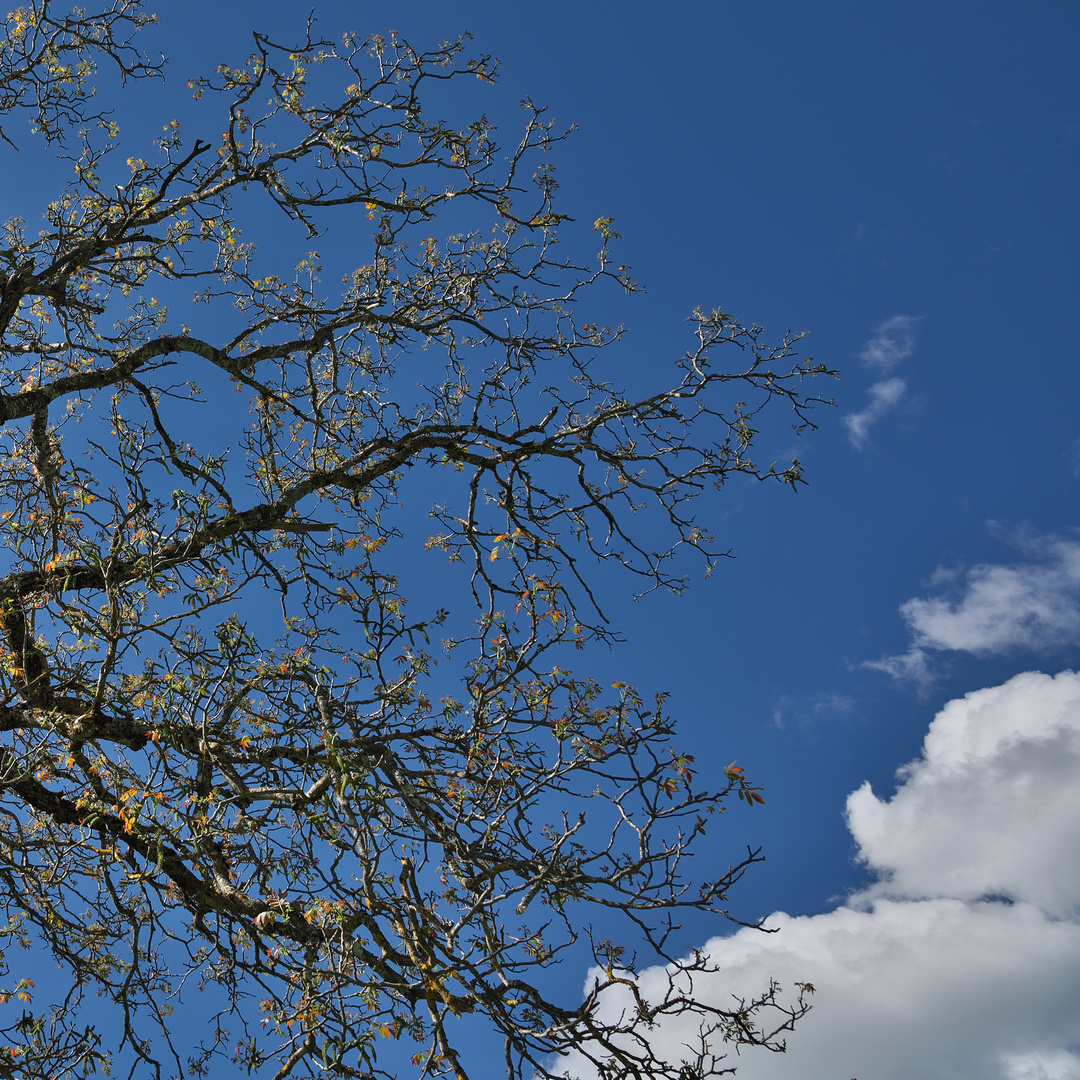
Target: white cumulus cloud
[962,961]
[992,808]
[1032,606]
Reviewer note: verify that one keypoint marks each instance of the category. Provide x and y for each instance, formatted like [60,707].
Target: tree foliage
[232,756]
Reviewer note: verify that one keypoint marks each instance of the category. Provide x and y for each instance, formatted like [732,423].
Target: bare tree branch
[353,825]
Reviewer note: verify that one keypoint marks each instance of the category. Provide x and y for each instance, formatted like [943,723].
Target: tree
[232,755]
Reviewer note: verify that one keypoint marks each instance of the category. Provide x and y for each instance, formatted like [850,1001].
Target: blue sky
[901,181]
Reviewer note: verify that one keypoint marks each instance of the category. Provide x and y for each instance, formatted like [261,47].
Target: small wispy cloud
[892,341]
[883,398]
[998,609]
[811,708]
[1072,456]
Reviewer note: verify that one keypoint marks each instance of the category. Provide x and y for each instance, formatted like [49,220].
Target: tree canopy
[233,757]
